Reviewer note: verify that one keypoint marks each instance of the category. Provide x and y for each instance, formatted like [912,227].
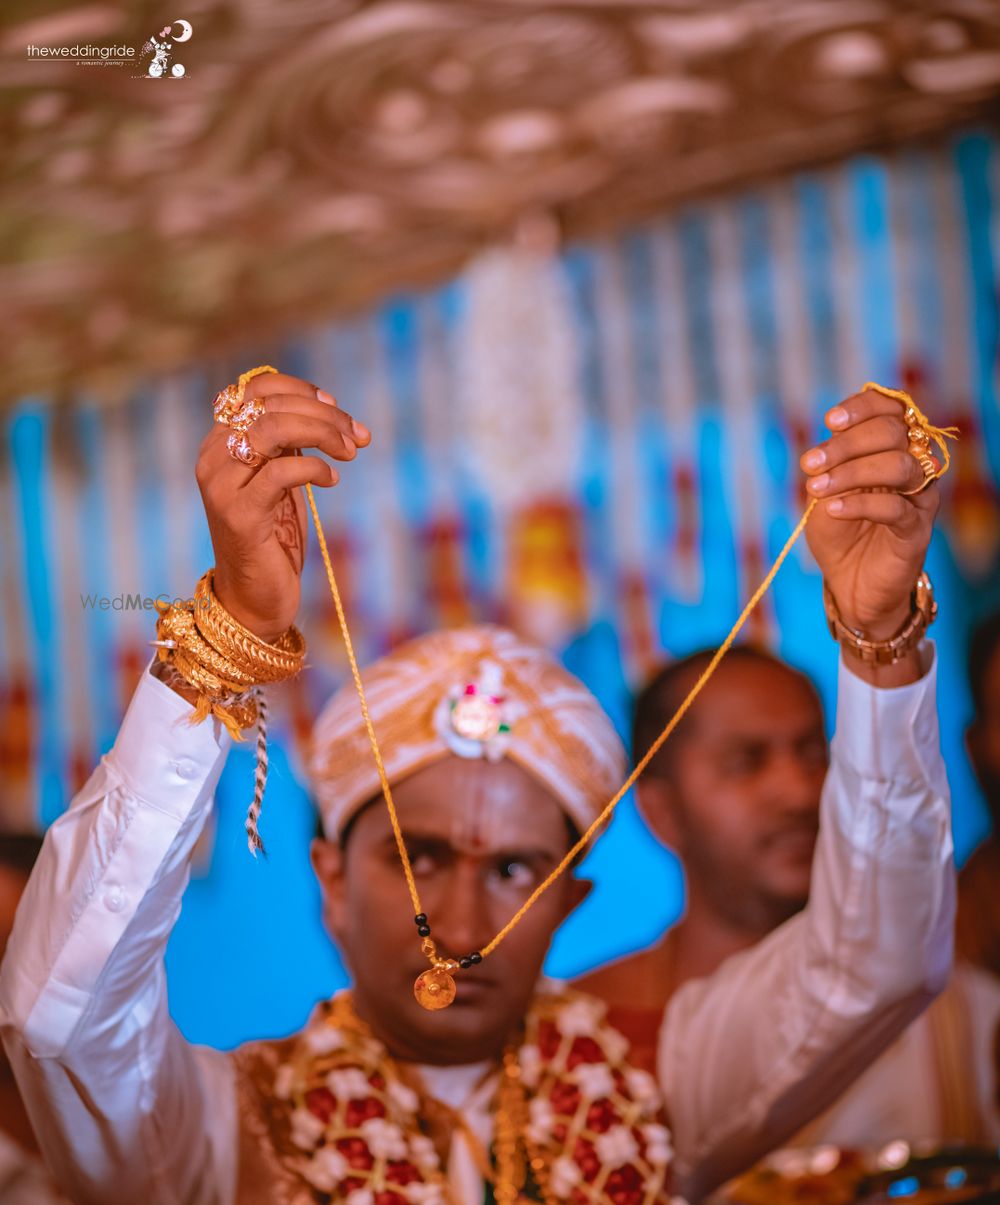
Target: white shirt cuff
[890,733]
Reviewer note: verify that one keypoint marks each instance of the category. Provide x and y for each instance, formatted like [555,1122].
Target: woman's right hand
[257,516]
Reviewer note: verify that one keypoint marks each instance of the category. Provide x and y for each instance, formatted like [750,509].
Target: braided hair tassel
[254,841]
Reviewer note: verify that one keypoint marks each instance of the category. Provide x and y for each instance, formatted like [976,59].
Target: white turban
[471,692]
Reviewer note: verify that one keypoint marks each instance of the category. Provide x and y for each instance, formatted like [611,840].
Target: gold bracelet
[226,665]
[178,625]
[923,612]
[264,662]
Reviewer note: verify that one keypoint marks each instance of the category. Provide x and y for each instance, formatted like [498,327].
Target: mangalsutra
[435,988]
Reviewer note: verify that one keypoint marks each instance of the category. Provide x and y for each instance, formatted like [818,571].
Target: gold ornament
[434,989]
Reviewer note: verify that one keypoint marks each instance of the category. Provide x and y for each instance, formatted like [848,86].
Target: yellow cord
[612,804]
[938,434]
[935,433]
[349,645]
[658,743]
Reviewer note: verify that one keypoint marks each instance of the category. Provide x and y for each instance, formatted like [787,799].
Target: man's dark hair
[667,689]
[19,851]
[983,646]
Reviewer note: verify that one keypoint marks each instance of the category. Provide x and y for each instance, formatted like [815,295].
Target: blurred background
[591,272]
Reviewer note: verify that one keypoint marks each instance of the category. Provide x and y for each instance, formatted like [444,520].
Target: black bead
[424,930]
[475,958]
[420,918]
[465,963]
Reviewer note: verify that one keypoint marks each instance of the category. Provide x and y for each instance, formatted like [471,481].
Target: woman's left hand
[868,537]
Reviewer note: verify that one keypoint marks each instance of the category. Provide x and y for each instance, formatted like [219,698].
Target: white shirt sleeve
[750,1054]
[124,1108]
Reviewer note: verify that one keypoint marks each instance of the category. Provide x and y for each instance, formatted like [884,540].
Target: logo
[161,46]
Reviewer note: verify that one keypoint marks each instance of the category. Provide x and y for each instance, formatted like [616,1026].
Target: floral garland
[350,1127]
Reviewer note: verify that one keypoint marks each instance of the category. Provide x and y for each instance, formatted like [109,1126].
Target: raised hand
[867,536]
[257,516]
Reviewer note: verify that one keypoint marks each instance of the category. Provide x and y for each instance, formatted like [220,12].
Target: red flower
[389,1198]
[584,1050]
[361,1110]
[601,1116]
[586,1158]
[401,1172]
[356,1152]
[320,1102]
[565,1098]
[624,1186]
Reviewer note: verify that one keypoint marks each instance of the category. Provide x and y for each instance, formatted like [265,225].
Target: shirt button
[185,768]
[114,899]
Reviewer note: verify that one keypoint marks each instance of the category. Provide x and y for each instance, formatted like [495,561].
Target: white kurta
[126,1110]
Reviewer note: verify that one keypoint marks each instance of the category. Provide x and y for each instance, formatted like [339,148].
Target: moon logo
[186,31]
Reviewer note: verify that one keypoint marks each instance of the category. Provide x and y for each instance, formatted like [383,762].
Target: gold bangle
[178,625]
[923,612]
[263,661]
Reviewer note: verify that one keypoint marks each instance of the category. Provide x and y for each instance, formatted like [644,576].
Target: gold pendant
[434,989]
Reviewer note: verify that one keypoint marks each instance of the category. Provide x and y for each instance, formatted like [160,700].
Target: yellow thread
[348,644]
[658,743]
[937,434]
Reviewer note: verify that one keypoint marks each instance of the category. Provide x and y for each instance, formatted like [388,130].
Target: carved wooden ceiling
[316,153]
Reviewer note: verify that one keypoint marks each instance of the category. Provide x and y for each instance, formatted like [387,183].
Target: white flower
[641,1086]
[616,1146]
[385,1139]
[542,1118]
[564,1176]
[579,1018]
[423,1194]
[404,1098]
[615,1044]
[325,1169]
[595,1080]
[424,1154]
[307,1129]
[360,1196]
[323,1039]
[349,1083]
[530,1060]
[284,1081]
[659,1147]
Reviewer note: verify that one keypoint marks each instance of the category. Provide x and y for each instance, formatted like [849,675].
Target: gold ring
[919,447]
[238,446]
[227,402]
[247,415]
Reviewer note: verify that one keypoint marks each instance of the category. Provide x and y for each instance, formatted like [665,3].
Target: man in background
[977,936]
[736,794]
[24,1179]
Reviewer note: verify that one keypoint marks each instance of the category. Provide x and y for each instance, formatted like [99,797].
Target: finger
[885,433]
[859,408]
[892,510]
[220,476]
[273,434]
[276,477]
[278,382]
[310,407]
[886,470]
